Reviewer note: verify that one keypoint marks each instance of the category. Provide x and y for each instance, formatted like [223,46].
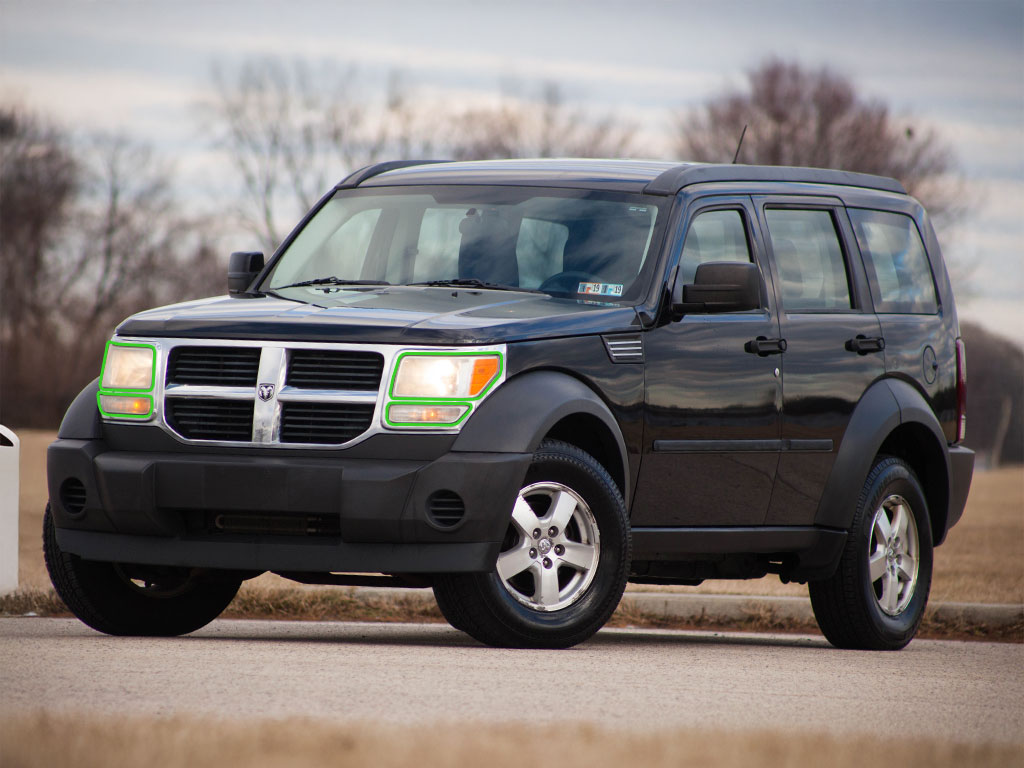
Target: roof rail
[356,178]
[675,179]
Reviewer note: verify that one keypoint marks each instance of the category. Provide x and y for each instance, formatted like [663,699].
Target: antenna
[739,145]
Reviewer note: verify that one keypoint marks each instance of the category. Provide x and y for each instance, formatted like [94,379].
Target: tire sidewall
[894,478]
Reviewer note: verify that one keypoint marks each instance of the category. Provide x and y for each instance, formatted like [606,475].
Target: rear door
[833,344]
[712,407]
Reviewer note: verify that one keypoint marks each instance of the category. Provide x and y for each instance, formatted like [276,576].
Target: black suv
[525,383]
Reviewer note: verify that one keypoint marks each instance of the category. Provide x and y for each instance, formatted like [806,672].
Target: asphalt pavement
[426,673]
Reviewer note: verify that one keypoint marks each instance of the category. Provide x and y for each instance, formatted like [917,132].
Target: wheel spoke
[547,586]
[882,527]
[514,562]
[908,566]
[900,520]
[579,556]
[876,565]
[890,592]
[562,508]
[524,518]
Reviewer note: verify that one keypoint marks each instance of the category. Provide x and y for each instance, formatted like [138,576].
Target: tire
[121,599]
[549,589]
[877,596]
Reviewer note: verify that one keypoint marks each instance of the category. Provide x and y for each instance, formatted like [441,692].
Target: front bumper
[342,514]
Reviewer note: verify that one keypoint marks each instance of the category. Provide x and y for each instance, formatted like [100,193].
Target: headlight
[127,380]
[429,376]
[440,389]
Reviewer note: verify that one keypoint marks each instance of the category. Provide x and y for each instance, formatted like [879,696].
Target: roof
[649,176]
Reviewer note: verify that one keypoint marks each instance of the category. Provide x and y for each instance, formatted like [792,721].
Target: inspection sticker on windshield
[601,289]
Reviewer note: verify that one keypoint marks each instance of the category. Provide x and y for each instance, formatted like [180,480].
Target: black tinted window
[714,236]
[809,259]
[896,262]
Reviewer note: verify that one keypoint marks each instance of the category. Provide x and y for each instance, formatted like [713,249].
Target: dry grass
[982,560]
[56,741]
[259,601]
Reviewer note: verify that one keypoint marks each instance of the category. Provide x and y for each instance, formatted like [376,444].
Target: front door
[712,402]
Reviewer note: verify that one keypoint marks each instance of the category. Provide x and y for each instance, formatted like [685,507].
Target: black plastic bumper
[371,514]
[961,470]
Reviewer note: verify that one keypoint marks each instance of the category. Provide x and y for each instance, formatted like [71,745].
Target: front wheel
[876,598]
[121,599]
[563,563]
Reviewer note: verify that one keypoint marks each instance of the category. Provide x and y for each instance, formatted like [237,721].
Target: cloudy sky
[140,67]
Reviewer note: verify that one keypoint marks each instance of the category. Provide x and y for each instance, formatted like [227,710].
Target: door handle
[862,345]
[764,346]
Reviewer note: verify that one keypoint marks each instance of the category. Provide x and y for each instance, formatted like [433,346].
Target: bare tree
[289,131]
[89,233]
[815,117]
[546,126]
[39,179]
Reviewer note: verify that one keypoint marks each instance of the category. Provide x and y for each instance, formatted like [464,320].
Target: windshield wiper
[472,282]
[332,280]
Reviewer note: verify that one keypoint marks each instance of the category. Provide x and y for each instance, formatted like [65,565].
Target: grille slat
[197,419]
[323,423]
[334,369]
[213,366]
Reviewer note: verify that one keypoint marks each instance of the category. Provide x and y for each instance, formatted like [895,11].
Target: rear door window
[897,266]
[809,259]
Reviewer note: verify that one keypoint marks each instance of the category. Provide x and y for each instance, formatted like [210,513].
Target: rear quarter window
[896,263]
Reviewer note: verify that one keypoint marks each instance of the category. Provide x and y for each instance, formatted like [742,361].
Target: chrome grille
[271,393]
[334,369]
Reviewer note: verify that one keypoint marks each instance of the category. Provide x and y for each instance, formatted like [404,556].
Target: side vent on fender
[625,349]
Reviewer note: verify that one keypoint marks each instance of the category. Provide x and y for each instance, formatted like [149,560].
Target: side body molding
[524,409]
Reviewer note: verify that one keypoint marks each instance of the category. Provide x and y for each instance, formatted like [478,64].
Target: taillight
[961,390]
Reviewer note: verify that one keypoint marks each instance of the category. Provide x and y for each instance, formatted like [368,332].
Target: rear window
[896,263]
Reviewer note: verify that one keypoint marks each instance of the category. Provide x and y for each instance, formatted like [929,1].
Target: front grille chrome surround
[205,391]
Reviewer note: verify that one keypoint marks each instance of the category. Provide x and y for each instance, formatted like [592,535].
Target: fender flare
[82,419]
[887,405]
[517,416]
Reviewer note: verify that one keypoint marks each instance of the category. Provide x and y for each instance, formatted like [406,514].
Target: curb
[798,609]
[730,608]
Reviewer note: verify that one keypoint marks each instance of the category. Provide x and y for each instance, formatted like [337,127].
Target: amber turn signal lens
[484,371]
[123,405]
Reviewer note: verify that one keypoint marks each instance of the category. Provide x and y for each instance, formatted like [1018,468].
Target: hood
[385,315]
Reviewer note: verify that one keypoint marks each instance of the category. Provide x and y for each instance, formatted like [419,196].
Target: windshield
[573,243]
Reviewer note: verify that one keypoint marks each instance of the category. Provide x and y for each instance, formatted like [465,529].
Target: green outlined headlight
[440,389]
[127,380]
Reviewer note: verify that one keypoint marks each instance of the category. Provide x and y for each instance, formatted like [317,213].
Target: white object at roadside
[9,456]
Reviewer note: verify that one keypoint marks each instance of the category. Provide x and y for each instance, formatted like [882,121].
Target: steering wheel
[567,282]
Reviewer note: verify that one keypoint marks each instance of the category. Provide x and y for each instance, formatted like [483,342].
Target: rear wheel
[563,563]
[876,598]
[121,599]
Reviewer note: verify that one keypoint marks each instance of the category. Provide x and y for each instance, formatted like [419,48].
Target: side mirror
[243,267]
[720,286]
